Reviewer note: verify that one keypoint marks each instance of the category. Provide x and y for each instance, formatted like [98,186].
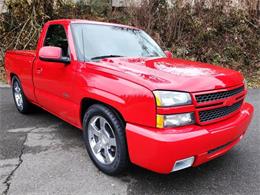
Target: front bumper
[158,150]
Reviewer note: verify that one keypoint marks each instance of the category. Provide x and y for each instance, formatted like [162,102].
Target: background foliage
[212,32]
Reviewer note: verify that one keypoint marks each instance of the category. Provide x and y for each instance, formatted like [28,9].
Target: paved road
[40,154]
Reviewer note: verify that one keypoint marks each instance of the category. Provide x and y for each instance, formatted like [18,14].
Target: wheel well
[87,102]
[12,75]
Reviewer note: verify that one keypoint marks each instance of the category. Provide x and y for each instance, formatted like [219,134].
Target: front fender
[134,102]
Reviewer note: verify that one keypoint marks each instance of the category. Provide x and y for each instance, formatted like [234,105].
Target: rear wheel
[104,137]
[21,102]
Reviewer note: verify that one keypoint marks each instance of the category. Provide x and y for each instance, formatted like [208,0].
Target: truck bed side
[20,63]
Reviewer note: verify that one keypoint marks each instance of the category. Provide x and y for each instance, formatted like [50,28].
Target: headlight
[171,98]
[174,120]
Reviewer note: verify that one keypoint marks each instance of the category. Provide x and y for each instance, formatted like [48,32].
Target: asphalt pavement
[41,154]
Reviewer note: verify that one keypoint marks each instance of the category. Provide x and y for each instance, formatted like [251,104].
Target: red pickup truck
[134,102]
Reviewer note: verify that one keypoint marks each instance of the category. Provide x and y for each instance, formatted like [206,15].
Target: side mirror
[168,54]
[53,54]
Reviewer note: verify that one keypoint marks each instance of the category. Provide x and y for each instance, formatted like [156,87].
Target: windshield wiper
[106,56]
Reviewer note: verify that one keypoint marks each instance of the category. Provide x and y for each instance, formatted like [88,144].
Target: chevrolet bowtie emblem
[230,101]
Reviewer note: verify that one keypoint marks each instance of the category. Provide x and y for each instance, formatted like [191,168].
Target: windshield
[94,41]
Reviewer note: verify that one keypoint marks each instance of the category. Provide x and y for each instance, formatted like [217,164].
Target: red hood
[171,74]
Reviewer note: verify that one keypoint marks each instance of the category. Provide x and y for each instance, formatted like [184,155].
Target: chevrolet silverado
[134,102]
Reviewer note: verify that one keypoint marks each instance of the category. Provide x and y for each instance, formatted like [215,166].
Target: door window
[56,36]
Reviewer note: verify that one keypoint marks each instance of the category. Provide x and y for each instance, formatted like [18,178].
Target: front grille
[219,95]
[208,115]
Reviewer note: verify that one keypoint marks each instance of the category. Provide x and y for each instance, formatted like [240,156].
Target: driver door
[54,80]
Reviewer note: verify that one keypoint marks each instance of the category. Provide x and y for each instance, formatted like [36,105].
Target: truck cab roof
[69,21]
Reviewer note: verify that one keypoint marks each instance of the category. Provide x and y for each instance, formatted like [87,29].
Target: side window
[56,36]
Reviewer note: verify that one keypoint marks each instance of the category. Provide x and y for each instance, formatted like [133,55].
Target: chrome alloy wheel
[102,140]
[18,96]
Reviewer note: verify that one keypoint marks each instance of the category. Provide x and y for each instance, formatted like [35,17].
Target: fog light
[183,164]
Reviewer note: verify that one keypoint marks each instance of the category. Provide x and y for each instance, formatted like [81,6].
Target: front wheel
[104,137]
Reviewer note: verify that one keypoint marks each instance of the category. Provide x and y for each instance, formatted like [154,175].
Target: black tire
[25,106]
[121,159]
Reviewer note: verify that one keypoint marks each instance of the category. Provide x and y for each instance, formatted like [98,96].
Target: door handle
[39,70]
